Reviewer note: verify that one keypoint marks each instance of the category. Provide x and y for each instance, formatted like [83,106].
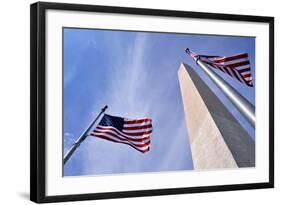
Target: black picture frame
[38,100]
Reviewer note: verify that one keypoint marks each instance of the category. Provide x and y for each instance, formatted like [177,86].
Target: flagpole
[241,103]
[82,137]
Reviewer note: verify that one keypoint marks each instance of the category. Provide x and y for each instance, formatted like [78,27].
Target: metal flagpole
[82,137]
[241,103]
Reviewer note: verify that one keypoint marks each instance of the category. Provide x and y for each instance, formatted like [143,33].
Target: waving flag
[135,133]
[237,66]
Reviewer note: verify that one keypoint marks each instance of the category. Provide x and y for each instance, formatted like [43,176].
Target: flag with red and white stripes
[135,133]
[237,66]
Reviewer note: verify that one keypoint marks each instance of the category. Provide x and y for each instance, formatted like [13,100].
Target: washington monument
[216,138]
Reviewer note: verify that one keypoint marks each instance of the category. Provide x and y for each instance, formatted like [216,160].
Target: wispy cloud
[127,78]
[136,90]
[68,140]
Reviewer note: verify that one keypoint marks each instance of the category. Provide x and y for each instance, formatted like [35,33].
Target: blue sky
[135,74]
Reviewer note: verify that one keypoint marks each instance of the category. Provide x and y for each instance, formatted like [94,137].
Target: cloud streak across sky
[135,74]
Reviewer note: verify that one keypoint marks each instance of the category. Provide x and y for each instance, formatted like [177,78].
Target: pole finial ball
[105,107]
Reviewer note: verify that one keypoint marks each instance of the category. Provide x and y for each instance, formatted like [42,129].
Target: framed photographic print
[129,102]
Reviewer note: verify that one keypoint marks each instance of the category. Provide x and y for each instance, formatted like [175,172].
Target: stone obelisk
[216,138]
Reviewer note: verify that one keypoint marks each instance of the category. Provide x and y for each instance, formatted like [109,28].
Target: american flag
[135,133]
[237,66]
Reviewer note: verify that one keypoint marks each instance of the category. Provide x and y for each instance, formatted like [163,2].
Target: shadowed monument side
[216,138]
